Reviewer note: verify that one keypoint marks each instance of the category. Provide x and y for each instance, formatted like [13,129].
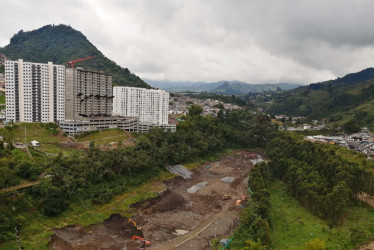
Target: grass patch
[103,136]
[293,225]
[2,99]
[34,131]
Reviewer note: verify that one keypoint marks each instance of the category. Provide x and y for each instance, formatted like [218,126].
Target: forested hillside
[322,181]
[60,44]
[340,100]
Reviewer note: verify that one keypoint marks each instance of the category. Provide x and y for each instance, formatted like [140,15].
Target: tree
[351,127]
[195,110]
[254,245]
[337,202]
[219,106]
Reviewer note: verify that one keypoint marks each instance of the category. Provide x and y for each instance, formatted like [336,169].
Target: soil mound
[149,202]
[169,202]
[114,233]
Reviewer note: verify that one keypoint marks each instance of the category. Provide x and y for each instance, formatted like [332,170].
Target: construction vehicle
[134,223]
[79,60]
[145,243]
[225,197]
[238,203]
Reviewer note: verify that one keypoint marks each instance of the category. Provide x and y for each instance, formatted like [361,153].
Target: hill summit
[60,44]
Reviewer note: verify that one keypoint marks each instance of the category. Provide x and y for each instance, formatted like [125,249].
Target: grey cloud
[253,41]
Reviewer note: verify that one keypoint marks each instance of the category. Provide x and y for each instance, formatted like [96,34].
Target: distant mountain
[60,44]
[348,98]
[221,87]
[239,88]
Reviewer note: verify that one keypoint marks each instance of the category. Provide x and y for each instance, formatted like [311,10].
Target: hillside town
[179,105]
[360,142]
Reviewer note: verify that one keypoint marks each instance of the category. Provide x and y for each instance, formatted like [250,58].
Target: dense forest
[98,175]
[322,181]
[60,44]
[341,100]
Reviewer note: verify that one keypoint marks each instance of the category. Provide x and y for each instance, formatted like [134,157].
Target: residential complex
[80,100]
[88,94]
[151,106]
[35,92]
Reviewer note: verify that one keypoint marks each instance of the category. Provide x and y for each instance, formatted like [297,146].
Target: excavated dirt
[203,214]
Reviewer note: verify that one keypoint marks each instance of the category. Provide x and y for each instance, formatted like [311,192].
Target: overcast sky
[209,40]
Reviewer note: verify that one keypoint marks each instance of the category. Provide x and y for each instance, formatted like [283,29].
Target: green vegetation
[323,182]
[43,133]
[346,99]
[304,192]
[96,177]
[255,219]
[349,155]
[103,136]
[294,226]
[2,101]
[61,44]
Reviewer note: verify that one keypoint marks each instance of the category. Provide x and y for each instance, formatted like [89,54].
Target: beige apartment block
[87,94]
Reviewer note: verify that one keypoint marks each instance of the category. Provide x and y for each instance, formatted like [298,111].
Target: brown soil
[369,246]
[113,233]
[369,199]
[203,214]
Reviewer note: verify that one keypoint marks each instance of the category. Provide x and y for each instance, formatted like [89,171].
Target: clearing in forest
[175,219]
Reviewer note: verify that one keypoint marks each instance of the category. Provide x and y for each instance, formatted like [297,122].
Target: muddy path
[176,219]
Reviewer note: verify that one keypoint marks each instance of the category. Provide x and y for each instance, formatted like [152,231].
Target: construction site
[194,207]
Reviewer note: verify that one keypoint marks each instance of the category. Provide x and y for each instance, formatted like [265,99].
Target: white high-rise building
[149,105]
[35,92]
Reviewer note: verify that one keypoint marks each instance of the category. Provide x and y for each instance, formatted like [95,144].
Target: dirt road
[180,241]
[176,219]
[21,186]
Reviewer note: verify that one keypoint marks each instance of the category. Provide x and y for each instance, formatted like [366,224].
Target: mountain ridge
[60,44]
[220,87]
[340,100]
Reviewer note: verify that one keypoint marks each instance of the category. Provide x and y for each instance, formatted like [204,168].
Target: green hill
[60,44]
[348,98]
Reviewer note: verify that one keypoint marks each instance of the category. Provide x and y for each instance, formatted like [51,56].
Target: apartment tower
[149,105]
[87,94]
[35,92]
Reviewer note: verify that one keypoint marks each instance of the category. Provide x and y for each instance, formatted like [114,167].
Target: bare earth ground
[369,246]
[203,215]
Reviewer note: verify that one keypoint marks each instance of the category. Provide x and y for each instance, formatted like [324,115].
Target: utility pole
[25,135]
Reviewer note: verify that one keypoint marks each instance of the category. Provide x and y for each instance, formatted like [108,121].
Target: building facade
[35,92]
[88,94]
[76,127]
[151,106]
